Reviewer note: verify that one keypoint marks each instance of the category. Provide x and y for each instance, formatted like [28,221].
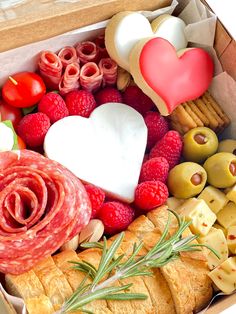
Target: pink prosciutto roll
[68,55]
[50,68]
[108,68]
[70,79]
[90,77]
[100,43]
[87,52]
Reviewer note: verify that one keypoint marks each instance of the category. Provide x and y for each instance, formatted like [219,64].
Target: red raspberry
[157,127]
[134,97]
[53,105]
[96,196]
[116,216]
[145,158]
[150,194]
[155,169]
[170,147]
[108,94]
[33,128]
[80,103]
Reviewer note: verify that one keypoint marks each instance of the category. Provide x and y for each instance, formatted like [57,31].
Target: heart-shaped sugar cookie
[169,78]
[106,150]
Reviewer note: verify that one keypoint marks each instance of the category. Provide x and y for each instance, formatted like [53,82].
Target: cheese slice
[231,194]
[215,239]
[227,215]
[224,275]
[214,198]
[173,203]
[197,211]
[217,226]
[231,239]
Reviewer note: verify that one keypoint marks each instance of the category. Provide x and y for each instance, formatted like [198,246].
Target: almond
[92,232]
[71,245]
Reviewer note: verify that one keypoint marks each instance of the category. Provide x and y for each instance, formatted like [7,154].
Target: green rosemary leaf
[137,273]
[86,311]
[93,245]
[126,296]
[115,263]
[130,260]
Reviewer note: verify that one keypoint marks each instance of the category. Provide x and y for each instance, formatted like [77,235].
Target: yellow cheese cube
[231,239]
[215,239]
[227,215]
[214,198]
[217,226]
[224,275]
[199,213]
[173,203]
[231,194]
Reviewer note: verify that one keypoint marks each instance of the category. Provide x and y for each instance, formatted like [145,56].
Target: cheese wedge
[227,215]
[214,198]
[215,239]
[231,239]
[217,226]
[197,211]
[173,203]
[224,275]
[231,194]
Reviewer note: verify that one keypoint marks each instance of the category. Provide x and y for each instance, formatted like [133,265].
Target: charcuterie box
[44,24]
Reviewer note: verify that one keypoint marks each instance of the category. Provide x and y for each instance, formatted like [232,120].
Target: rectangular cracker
[200,115]
[193,115]
[213,123]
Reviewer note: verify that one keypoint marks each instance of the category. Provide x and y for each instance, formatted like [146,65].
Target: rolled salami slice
[108,68]
[90,77]
[87,52]
[70,79]
[50,68]
[68,55]
[42,205]
[100,43]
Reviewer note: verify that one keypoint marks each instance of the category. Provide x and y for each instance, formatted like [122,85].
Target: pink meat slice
[68,55]
[90,77]
[50,68]
[42,205]
[87,51]
[108,68]
[100,43]
[70,79]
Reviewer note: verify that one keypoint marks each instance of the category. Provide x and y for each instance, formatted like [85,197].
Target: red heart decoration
[174,78]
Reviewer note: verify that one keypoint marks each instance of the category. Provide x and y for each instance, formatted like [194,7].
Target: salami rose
[42,205]
[50,68]
[87,52]
[68,55]
[100,43]
[70,79]
[108,68]
[90,77]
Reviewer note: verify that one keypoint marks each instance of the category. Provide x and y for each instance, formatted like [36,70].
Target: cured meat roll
[87,52]
[90,77]
[70,79]
[108,68]
[68,55]
[42,205]
[100,43]
[50,68]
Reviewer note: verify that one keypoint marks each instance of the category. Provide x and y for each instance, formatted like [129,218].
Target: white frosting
[172,29]
[6,137]
[106,150]
[130,30]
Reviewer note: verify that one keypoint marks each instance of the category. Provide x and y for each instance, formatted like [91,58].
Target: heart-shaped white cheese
[106,150]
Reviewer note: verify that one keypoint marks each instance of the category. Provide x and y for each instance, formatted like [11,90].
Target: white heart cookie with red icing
[170,28]
[106,150]
[169,78]
[123,31]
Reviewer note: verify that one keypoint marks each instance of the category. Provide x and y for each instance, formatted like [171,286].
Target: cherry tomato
[21,143]
[10,113]
[23,89]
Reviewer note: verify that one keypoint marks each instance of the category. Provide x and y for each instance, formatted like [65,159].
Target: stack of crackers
[203,111]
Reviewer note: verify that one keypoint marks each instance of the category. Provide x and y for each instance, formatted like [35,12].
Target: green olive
[228,146]
[186,180]
[199,144]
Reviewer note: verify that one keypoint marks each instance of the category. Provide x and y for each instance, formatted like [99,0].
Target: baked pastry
[182,286]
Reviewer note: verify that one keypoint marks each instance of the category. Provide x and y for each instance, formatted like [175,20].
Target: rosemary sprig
[113,268]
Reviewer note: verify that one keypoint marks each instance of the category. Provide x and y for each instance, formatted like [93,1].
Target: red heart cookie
[169,78]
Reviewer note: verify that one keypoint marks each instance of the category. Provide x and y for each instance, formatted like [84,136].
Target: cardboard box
[45,19]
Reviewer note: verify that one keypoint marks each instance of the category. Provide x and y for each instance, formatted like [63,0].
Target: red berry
[116,216]
[53,105]
[80,103]
[134,97]
[150,194]
[157,127]
[170,147]
[155,169]
[96,196]
[108,94]
[33,128]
